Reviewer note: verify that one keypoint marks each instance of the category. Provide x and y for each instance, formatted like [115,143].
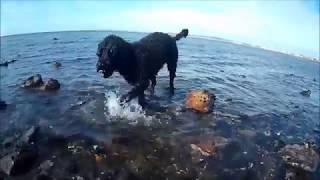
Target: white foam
[131,112]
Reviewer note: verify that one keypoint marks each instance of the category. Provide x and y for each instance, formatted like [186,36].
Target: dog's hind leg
[141,100]
[153,84]
[172,66]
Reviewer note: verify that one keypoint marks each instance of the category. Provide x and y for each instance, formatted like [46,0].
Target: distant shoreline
[193,36]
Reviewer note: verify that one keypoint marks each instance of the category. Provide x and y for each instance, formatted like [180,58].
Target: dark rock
[300,156]
[9,141]
[19,161]
[56,64]
[296,174]
[51,85]
[55,39]
[121,140]
[4,64]
[34,81]
[42,177]
[306,93]
[3,105]
[228,100]
[72,167]
[314,79]
[30,135]
[46,166]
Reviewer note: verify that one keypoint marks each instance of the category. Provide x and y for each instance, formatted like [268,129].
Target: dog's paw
[171,91]
[124,99]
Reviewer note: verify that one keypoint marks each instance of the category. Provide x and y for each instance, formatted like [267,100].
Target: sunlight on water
[132,111]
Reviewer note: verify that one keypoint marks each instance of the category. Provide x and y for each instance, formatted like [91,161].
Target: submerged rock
[51,85]
[30,135]
[46,166]
[300,156]
[3,105]
[204,149]
[55,38]
[34,81]
[19,161]
[56,64]
[19,152]
[6,63]
[306,92]
[207,146]
[200,101]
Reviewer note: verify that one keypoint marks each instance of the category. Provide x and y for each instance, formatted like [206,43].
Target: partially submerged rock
[6,63]
[306,92]
[34,81]
[209,146]
[19,161]
[56,64]
[300,156]
[200,100]
[204,149]
[51,85]
[19,152]
[3,105]
[30,135]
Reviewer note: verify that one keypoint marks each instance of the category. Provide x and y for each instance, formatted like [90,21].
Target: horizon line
[317,59]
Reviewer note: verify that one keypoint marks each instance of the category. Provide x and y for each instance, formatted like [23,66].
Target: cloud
[236,23]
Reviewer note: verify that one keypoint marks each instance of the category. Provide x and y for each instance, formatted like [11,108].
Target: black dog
[140,61]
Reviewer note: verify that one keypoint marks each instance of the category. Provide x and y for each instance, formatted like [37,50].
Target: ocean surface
[258,110]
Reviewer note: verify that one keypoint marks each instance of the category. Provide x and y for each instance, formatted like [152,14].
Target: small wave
[131,112]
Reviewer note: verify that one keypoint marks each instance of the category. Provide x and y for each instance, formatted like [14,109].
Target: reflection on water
[259,108]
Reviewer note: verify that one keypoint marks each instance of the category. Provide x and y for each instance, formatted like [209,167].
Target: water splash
[131,112]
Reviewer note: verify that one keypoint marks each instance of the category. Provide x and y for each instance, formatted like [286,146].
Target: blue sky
[285,25]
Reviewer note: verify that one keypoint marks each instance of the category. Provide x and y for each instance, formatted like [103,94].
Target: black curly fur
[139,62]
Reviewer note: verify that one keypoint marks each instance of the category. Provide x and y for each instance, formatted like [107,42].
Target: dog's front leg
[136,91]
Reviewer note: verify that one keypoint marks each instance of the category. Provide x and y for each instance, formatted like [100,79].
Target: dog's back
[157,49]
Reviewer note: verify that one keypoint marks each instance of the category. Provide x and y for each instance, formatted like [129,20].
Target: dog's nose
[99,66]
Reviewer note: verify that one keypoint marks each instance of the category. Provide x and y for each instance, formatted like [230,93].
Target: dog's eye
[110,52]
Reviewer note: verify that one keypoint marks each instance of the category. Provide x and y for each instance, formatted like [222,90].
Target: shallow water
[258,101]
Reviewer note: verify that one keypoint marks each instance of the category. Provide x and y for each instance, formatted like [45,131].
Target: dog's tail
[183,33]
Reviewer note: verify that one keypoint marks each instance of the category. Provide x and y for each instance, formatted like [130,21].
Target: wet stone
[72,167]
[42,177]
[228,100]
[46,166]
[6,63]
[306,93]
[56,64]
[3,105]
[30,135]
[34,81]
[300,156]
[19,161]
[200,101]
[51,85]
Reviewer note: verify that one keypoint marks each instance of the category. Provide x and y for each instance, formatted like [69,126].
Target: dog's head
[109,55]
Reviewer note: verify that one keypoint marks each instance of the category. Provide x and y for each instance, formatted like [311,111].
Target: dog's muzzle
[104,69]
